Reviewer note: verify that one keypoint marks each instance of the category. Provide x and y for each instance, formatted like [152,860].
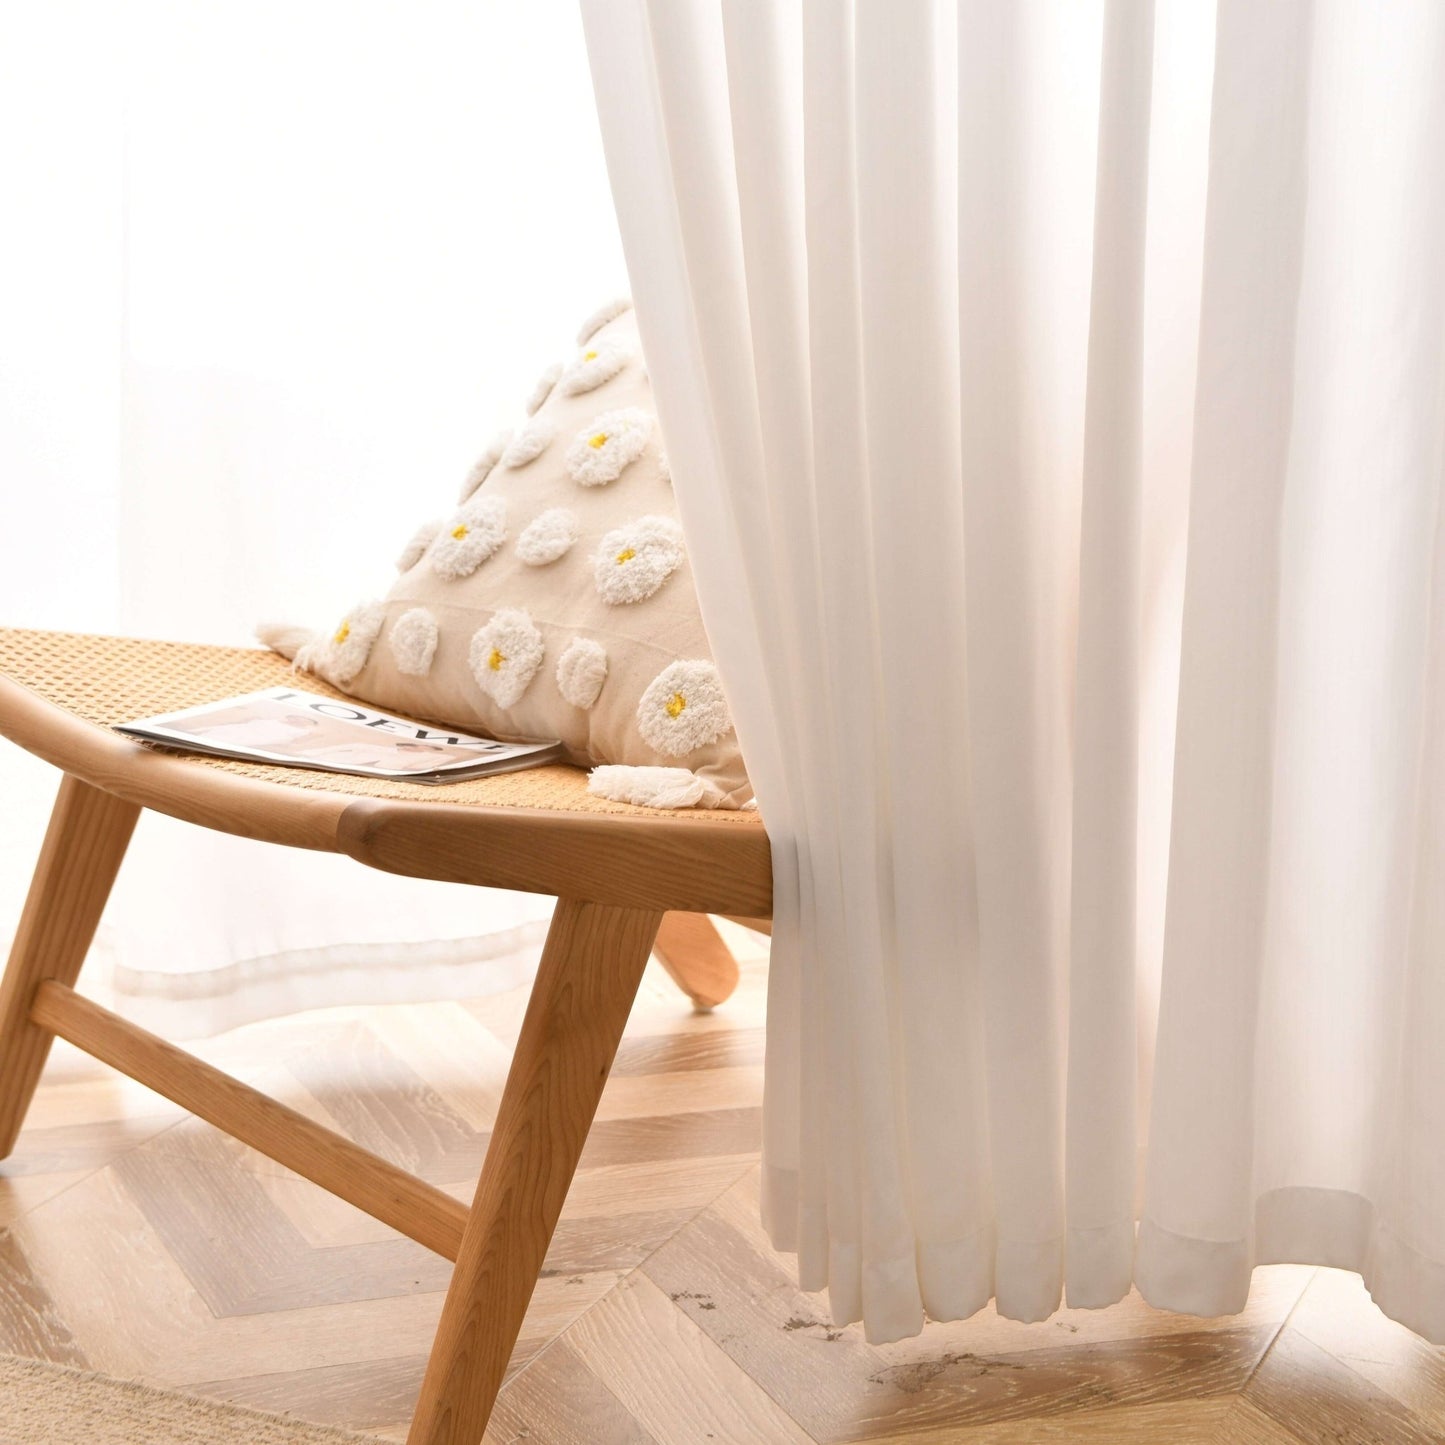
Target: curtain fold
[1101,1144]
[1107,881]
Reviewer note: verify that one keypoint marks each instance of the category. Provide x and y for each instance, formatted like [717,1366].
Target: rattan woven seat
[60,694]
[620,874]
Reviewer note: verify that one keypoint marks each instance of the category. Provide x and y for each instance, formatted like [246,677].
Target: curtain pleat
[1100,1115]
[1002,400]
[845,721]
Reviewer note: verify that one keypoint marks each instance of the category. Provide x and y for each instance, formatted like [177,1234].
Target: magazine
[306,730]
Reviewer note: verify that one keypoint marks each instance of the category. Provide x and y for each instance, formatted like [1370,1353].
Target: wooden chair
[619,874]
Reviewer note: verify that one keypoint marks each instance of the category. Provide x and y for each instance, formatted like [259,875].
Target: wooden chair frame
[619,880]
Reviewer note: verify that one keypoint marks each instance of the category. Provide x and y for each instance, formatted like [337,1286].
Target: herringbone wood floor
[142,1243]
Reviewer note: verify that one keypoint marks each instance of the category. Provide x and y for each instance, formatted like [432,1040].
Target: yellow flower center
[589,356]
[625,555]
[496,660]
[342,633]
[598,441]
[459,531]
[675,704]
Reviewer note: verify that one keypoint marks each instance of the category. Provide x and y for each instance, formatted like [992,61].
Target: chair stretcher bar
[415,1208]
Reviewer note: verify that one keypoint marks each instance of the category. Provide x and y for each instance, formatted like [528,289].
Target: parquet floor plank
[671,1375]
[1192,1422]
[119,1291]
[740,1048]
[79,1148]
[30,1324]
[20,1193]
[356,1395]
[380,1101]
[445,1044]
[1245,1425]
[1337,1314]
[691,1091]
[1322,1402]
[558,1400]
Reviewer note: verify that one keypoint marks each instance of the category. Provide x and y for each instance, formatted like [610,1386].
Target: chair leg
[84,845]
[590,969]
[697,960]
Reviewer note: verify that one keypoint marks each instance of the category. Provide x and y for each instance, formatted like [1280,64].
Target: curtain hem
[249,990]
[1331,1227]
[945,1279]
[1172,1270]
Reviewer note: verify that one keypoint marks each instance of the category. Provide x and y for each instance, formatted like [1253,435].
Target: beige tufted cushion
[554,597]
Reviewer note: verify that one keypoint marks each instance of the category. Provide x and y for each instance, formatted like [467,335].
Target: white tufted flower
[664,467]
[683,709]
[469,537]
[608,311]
[414,550]
[634,560]
[414,641]
[581,671]
[482,467]
[505,655]
[530,441]
[613,441]
[595,365]
[543,388]
[338,657]
[547,537]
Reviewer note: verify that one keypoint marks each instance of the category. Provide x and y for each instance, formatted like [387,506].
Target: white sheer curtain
[967,323]
[270,275]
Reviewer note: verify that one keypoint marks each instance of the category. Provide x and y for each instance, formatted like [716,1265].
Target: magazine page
[302,729]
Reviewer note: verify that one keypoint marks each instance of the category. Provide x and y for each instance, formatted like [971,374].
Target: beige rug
[44,1404]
